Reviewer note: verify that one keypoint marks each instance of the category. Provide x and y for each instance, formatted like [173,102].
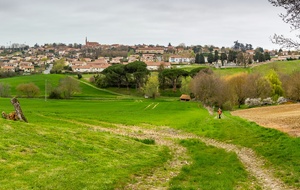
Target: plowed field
[285,118]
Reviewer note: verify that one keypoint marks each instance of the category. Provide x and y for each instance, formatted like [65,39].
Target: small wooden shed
[185,97]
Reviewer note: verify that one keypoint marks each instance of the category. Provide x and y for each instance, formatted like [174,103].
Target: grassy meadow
[57,148]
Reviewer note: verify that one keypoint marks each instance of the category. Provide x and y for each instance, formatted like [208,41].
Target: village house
[153,66]
[116,60]
[77,63]
[177,59]
[148,57]
[8,68]
[100,61]
[27,67]
[133,58]
[90,67]
[151,50]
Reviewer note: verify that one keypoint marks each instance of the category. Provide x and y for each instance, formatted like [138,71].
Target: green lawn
[280,66]
[55,151]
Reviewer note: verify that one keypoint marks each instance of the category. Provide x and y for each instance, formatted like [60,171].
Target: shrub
[55,94]
[28,90]
[228,105]
[253,102]
[267,101]
[4,90]
[281,100]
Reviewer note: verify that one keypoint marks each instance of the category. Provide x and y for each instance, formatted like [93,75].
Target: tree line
[230,91]
[238,56]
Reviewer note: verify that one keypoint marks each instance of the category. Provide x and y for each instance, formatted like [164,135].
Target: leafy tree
[139,71]
[232,55]
[173,75]
[151,88]
[241,47]
[240,58]
[267,56]
[276,84]
[195,71]
[186,85]
[29,90]
[261,57]
[115,75]
[210,58]
[161,78]
[216,56]
[100,80]
[197,58]
[292,17]
[68,86]
[237,84]
[257,86]
[197,49]
[58,66]
[292,86]
[201,58]
[259,49]
[4,90]
[223,58]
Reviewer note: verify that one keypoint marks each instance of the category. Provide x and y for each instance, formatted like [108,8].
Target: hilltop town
[93,57]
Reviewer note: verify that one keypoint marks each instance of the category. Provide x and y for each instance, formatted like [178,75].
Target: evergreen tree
[216,56]
[197,58]
[201,58]
[267,56]
[210,58]
[232,55]
[223,58]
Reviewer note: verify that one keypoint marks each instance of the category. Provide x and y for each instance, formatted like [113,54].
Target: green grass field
[58,148]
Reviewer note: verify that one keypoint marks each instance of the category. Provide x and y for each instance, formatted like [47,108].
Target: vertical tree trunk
[18,109]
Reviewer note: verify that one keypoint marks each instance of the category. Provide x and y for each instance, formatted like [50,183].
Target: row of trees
[239,57]
[136,74]
[229,91]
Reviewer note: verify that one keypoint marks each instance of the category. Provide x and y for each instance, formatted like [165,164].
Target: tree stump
[18,110]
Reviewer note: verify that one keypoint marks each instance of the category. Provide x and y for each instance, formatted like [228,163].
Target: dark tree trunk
[18,109]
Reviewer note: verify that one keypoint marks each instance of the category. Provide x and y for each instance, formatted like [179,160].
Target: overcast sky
[193,22]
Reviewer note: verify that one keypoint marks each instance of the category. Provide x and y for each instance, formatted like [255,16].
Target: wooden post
[18,109]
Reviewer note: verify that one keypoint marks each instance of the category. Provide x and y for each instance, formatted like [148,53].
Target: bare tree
[257,86]
[207,88]
[292,86]
[237,84]
[292,17]
[68,86]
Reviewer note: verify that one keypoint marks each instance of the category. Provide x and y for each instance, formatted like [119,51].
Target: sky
[130,22]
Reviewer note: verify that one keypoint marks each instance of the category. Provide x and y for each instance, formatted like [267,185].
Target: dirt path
[166,136]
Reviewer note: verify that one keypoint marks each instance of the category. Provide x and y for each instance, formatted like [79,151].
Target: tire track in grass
[165,136]
[155,106]
[148,106]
